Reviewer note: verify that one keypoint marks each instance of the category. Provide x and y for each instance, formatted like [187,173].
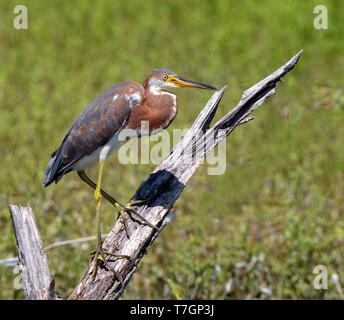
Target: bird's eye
[164,77]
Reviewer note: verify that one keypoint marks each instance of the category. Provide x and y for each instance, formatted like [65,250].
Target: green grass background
[255,232]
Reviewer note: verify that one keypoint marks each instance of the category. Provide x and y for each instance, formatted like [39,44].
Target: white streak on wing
[115,97]
[135,99]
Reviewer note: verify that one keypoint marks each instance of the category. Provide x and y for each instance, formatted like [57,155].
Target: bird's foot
[100,260]
[122,209]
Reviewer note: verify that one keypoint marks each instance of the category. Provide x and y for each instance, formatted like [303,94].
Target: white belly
[98,155]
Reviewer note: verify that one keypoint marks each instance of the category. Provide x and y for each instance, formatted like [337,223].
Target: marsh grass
[255,232]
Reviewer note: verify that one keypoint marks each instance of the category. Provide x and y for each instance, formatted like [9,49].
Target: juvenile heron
[94,135]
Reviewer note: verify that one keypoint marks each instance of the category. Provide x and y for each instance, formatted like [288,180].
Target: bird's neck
[154,91]
[163,105]
[156,99]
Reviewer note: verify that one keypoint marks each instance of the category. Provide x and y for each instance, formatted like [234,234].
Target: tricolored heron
[94,134]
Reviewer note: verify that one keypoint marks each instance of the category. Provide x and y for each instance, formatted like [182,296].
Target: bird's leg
[120,208]
[99,254]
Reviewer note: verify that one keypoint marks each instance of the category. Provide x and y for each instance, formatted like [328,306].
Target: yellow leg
[100,253]
[120,208]
[97,193]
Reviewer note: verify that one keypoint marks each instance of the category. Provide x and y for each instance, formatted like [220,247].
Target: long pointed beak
[182,82]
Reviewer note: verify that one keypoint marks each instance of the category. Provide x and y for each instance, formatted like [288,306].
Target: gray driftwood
[164,186]
[33,263]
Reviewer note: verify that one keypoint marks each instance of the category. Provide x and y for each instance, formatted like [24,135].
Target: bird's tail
[51,169]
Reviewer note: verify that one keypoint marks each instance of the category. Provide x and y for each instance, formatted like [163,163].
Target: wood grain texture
[34,269]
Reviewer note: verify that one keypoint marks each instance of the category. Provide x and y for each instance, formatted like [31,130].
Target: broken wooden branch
[36,281]
[163,186]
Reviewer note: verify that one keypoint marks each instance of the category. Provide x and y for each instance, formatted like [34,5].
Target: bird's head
[161,79]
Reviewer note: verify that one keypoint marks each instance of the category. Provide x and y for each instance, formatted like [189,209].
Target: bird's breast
[158,111]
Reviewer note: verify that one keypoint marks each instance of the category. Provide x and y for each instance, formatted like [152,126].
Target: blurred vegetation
[255,232]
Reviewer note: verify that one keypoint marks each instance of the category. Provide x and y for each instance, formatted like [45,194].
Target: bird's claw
[122,209]
[100,260]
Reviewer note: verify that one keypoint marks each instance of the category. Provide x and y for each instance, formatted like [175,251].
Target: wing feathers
[93,128]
